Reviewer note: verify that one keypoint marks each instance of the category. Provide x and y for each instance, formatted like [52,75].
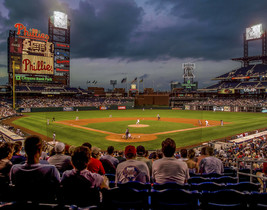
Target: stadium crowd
[231,102]
[6,110]
[76,168]
[70,102]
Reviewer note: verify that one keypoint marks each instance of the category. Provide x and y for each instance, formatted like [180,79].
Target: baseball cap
[130,150]
[95,150]
[59,147]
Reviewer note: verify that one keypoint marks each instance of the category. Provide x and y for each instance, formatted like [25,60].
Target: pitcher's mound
[138,125]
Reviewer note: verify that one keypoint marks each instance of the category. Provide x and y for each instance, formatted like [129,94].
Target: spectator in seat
[120,156]
[141,153]
[169,169]
[77,182]
[17,157]
[262,181]
[87,144]
[60,160]
[32,180]
[202,154]
[6,152]
[191,163]
[95,165]
[110,156]
[183,155]
[132,169]
[211,164]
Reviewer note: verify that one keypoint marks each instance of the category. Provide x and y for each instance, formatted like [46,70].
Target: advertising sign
[186,107]
[67,109]
[32,33]
[33,79]
[37,65]
[103,108]
[226,91]
[15,45]
[26,110]
[227,108]
[121,107]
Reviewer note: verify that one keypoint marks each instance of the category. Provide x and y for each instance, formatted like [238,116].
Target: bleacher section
[252,76]
[39,89]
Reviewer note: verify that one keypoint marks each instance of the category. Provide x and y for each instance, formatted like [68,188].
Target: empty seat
[174,199]
[125,198]
[223,199]
[170,185]
[197,179]
[224,179]
[207,186]
[243,186]
[258,200]
[135,185]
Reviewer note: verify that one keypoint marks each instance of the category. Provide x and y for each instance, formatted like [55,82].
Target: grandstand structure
[251,78]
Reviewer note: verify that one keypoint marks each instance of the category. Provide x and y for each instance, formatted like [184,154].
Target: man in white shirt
[169,169]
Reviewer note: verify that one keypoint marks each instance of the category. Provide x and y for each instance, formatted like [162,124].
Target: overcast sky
[113,39]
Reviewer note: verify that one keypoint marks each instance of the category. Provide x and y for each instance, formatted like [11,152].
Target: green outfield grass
[240,122]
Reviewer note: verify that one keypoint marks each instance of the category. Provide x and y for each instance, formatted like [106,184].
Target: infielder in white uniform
[137,122]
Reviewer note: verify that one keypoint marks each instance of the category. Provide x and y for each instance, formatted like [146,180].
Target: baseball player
[137,122]
[158,117]
[127,133]
[207,123]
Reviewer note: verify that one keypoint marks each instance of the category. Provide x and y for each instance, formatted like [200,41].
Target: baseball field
[107,127]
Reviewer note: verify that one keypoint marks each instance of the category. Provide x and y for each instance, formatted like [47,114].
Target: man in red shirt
[95,165]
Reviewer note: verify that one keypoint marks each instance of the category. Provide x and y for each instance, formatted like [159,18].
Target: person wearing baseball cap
[131,169]
[60,160]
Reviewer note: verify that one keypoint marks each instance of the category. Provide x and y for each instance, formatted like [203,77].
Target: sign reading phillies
[121,107]
[37,65]
[32,33]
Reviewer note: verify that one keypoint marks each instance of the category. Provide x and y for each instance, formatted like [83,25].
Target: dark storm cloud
[206,29]
[103,28]
[213,29]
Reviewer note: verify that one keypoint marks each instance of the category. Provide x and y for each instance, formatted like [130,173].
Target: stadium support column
[14,86]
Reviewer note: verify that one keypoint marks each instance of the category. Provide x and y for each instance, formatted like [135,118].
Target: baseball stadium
[229,117]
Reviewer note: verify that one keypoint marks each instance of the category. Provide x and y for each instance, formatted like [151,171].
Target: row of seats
[157,196]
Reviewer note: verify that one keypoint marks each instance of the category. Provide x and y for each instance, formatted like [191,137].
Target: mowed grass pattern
[239,122]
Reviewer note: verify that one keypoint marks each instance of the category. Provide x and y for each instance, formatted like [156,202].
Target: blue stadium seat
[211,175]
[197,179]
[229,172]
[223,199]
[207,186]
[174,199]
[258,200]
[125,198]
[135,185]
[243,186]
[170,185]
[224,179]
